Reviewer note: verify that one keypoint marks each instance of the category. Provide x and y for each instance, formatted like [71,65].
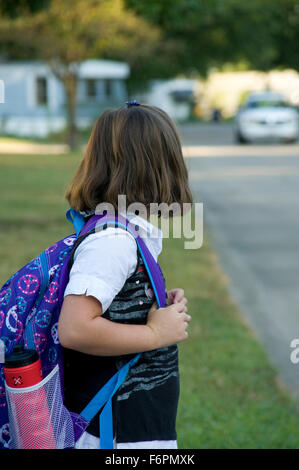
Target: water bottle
[31,416]
[22,368]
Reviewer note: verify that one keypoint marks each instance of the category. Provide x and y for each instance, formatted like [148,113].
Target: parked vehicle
[266,116]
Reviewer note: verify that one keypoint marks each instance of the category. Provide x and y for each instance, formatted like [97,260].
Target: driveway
[250,197]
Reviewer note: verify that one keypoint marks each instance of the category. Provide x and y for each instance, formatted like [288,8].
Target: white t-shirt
[105,259]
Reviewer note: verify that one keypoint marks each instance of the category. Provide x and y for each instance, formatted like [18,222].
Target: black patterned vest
[145,406]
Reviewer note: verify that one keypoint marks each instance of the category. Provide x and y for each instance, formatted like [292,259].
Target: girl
[109,313]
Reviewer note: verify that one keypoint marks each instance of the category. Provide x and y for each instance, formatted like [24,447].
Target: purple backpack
[30,304]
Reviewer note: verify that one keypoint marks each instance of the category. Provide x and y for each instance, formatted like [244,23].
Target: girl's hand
[168,324]
[176,295]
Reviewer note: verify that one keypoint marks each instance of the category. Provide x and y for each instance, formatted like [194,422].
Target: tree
[70,31]
[214,32]
[285,34]
[15,8]
[9,11]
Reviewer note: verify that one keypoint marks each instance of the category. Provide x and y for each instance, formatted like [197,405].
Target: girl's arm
[82,328]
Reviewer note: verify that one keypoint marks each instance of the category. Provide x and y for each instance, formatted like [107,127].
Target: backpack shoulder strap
[98,222]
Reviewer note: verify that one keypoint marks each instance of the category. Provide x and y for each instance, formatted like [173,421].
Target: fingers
[175,296]
[178,295]
[186,324]
[181,306]
[187,319]
[184,303]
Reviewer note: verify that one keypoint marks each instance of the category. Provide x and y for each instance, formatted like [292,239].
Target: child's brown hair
[135,151]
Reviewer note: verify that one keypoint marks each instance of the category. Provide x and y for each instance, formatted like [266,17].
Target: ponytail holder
[132,103]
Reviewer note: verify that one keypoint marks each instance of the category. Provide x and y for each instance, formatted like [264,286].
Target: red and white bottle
[22,371]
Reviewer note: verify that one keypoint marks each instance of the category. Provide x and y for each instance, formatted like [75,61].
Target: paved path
[251,205]
[21,147]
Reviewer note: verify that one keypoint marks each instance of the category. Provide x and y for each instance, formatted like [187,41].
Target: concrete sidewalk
[22,147]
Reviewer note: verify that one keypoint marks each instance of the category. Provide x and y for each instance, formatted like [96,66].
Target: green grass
[60,137]
[230,396]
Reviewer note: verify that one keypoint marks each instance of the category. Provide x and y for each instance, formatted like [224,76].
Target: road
[250,197]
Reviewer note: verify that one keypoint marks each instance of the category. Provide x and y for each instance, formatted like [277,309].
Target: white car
[264,116]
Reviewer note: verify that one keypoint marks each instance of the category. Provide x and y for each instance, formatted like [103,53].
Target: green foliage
[70,31]
[263,33]
[285,33]
[15,8]
[157,38]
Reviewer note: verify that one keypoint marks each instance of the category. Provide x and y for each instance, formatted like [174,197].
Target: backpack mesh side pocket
[38,418]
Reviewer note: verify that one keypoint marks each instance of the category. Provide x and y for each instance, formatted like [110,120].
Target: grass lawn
[230,397]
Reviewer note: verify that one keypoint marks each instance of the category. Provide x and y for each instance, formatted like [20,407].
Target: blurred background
[227,72]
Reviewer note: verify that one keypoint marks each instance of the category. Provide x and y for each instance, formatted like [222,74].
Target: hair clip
[132,103]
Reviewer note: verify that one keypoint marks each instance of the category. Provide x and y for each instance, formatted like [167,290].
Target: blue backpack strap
[76,219]
[44,284]
[103,398]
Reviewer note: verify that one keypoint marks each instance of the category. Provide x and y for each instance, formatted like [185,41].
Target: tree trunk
[70,81]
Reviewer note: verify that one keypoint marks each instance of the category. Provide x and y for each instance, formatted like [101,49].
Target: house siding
[21,115]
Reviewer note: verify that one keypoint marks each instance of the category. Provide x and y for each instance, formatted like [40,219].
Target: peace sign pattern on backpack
[30,303]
